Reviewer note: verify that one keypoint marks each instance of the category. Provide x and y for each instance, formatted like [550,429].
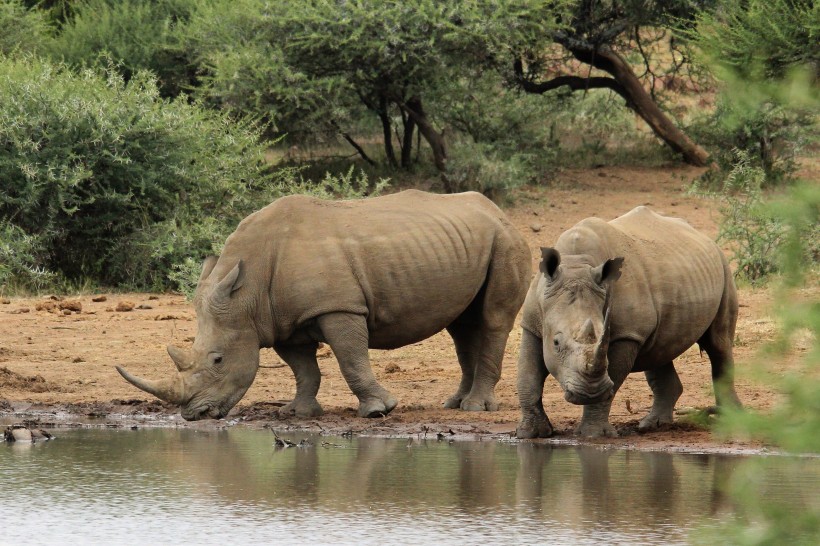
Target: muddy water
[233,486]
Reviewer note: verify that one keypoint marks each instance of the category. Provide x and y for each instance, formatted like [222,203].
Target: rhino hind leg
[347,336]
[718,341]
[302,361]
[480,352]
[666,389]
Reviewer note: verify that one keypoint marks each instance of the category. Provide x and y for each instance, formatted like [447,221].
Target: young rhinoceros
[374,273]
[674,288]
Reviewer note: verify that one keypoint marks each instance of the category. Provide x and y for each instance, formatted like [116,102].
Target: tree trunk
[639,100]
[414,109]
[388,136]
[407,142]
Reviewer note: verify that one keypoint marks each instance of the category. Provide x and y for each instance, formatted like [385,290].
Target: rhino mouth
[202,412]
[582,397]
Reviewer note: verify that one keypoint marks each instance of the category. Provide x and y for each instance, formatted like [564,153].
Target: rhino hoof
[526,431]
[376,407]
[472,404]
[598,430]
[652,422]
[301,408]
[454,402]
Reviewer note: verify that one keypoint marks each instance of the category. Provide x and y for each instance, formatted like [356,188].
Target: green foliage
[760,39]
[795,424]
[90,164]
[754,233]
[24,30]
[137,35]
[21,259]
[483,168]
[775,44]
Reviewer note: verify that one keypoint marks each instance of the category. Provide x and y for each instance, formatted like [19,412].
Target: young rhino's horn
[588,332]
[169,390]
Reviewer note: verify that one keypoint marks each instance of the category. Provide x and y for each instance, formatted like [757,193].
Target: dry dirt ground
[57,365]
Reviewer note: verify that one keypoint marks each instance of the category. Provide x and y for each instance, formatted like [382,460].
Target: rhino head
[220,367]
[576,324]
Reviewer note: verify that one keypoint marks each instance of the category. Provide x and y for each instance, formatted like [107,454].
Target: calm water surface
[179,486]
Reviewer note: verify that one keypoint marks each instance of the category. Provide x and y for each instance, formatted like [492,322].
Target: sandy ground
[57,365]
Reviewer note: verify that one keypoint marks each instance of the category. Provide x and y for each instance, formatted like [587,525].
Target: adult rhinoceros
[380,273]
[674,288]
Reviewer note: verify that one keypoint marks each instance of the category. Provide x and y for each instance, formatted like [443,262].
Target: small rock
[78,359]
[66,311]
[125,306]
[5,301]
[673,204]
[573,201]
[144,306]
[535,213]
[153,297]
[71,305]
[602,174]
[392,368]
[20,311]
[46,306]
[56,298]
[535,227]
[99,298]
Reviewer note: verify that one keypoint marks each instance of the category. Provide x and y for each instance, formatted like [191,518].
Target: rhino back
[674,279]
[411,262]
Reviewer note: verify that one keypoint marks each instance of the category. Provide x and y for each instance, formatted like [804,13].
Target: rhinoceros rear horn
[169,390]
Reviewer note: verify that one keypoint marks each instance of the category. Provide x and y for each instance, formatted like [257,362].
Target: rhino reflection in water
[625,296]
[380,273]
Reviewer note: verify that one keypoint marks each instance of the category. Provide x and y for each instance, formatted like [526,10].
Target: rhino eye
[216,359]
[556,343]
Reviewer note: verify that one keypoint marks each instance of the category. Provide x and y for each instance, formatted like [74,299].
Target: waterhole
[234,486]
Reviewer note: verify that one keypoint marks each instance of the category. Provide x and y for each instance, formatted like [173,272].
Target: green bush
[135,34]
[794,424]
[483,168]
[21,260]
[96,169]
[747,223]
[24,31]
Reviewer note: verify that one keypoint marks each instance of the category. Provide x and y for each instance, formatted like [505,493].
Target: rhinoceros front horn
[603,344]
[169,390]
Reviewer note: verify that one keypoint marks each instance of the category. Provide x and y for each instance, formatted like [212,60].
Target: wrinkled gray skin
[625,296]
[376,273]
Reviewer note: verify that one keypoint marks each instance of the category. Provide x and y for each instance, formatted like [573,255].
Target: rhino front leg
[302,361]
[595,421]
[532,372]
[347,335]
[666,389]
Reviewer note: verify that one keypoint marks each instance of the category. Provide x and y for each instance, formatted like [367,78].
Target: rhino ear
[609,271]
[232,282]
[207,267]
[550,260]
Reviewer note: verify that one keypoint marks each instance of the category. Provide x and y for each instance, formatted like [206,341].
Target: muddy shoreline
[680,437]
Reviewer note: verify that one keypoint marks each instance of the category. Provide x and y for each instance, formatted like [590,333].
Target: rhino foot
[454,402]
[596,430]
[652,421]
[376,407]
[302,408]
[541,428]
[472,403]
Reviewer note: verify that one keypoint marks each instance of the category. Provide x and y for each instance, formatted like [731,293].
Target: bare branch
[575,83]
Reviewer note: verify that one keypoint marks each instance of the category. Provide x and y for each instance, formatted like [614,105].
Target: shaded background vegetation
[136,133]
